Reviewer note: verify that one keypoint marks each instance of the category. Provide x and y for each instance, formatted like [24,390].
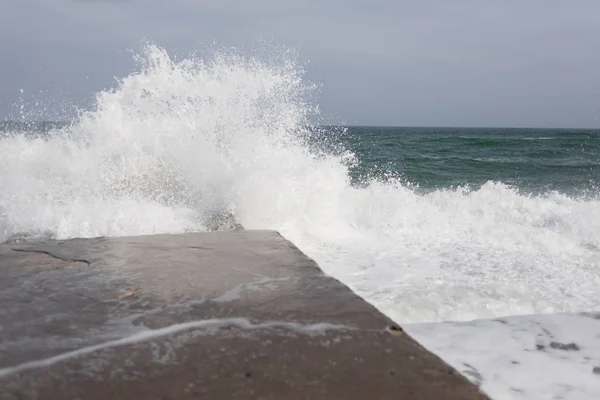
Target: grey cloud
[465,62]
[100,1]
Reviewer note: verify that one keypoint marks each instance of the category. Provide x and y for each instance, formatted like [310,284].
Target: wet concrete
[221,315]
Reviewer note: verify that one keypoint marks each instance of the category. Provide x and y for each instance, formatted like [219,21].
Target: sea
[428,224]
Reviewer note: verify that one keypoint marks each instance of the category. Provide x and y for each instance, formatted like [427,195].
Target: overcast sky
[380,62]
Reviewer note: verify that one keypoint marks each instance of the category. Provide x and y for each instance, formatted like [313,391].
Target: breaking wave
[177,142]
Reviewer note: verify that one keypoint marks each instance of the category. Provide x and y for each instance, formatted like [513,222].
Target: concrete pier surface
[221,315]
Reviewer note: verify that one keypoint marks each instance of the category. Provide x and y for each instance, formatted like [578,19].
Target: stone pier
[220,315]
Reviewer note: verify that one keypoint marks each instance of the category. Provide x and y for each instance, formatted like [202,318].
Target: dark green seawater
[533,160]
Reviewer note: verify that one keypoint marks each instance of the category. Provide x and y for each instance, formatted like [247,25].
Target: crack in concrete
[52,255]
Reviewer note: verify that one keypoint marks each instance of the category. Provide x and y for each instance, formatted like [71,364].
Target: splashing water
[178,142]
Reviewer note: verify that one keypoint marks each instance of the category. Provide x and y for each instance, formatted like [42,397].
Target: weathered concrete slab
[223,315]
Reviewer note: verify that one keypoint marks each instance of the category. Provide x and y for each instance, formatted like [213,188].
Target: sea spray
[169,146]
[177,142]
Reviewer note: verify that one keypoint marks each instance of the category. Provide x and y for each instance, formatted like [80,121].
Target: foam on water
[179,141]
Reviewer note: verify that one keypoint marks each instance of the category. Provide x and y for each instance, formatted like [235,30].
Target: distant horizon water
[331,125]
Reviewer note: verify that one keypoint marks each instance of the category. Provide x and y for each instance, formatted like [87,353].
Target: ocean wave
[177,142]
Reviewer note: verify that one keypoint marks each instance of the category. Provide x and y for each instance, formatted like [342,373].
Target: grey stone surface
[221,315]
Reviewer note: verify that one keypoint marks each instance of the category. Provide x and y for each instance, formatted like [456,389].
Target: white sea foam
[525,357]
[176,142]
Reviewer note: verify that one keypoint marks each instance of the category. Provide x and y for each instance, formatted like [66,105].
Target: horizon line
[14,121]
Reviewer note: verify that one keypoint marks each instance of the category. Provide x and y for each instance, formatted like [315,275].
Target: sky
[514,63]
